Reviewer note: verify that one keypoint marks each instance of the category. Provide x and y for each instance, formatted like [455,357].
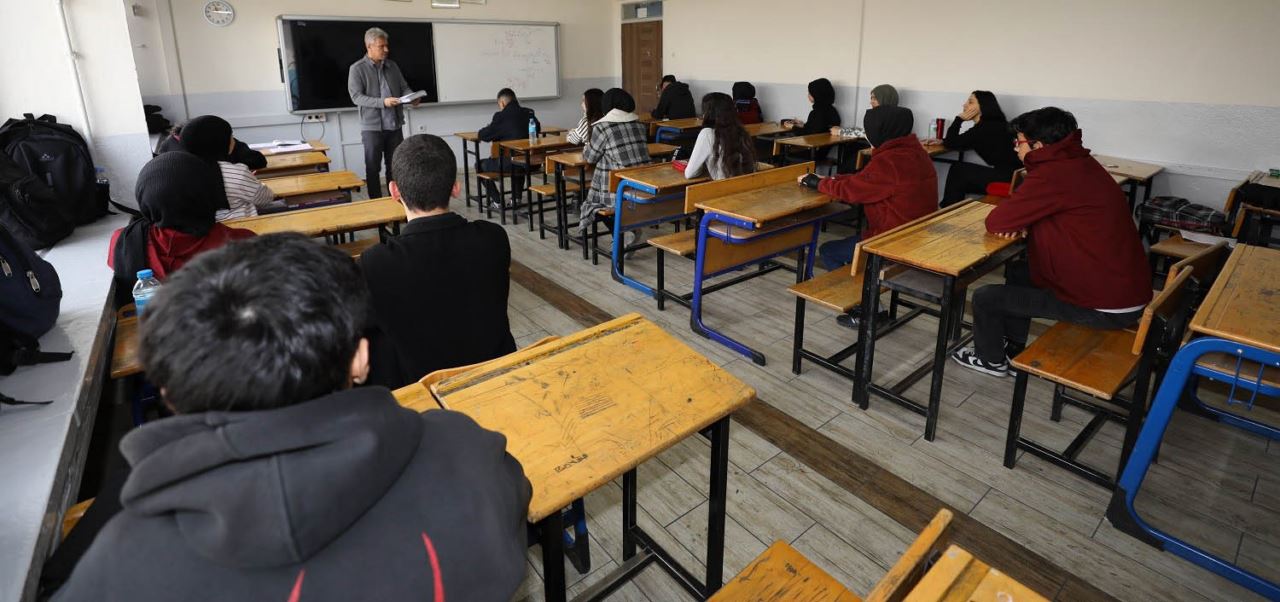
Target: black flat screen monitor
[318,52]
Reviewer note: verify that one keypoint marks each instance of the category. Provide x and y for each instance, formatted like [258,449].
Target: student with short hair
[723,148]
[592,111]
[824,115]
[617,140]
[440,287]
[1085,261]
[511,122]
[884,95]
[675,101]
[990,138]
[209,137]
[744,100]
[276,479]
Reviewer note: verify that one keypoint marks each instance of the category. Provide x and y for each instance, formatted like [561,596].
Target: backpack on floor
[30,210]
[1181,214]
[58,156]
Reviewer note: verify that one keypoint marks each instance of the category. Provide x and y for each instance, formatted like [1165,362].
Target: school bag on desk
[30,297]
[58,156]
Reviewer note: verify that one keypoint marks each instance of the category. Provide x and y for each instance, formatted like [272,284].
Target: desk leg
[502,188]
[466,176]
[866,332]
[628,514]
[551,533]
[561,207]
[945,318]
[717,506]
[528,186]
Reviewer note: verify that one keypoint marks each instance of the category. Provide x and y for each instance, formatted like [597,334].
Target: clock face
[219,12]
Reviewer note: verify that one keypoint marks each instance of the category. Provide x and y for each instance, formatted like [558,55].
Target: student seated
[591,113]
[511,122]
[439,289]
[1085,261]
[241,154]
[723,149]
[276,479]
[744,99]
[990,138]
[884,95]
[675,101]
[178,195]
[617,140]
[209,138]
[823,116]
[897,186]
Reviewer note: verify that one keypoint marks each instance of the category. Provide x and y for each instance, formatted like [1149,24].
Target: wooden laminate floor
[849,488]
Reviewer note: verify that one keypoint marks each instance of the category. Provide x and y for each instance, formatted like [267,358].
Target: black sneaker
[854,318]
[968,358]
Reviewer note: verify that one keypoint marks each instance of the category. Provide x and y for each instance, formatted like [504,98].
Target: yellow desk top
[320,221]
[1128,168]
[767,128]
[950,241]
[311,183]
[316,145]
[1244,303]
[543,143]
[124,356]
[819,140]
[662,177]
[766,204]
[959,577]
[575,159]
[293,161]
[688,123]
[582,410]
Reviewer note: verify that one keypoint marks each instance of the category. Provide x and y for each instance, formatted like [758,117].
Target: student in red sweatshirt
[897,186]
[1085,262]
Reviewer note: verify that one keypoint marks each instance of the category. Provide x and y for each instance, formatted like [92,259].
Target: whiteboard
[475,60]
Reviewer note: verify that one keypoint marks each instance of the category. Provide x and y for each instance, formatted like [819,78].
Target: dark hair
[506,94]
[734,147]
[743,91]
[425,170]
[261,323]
[617,98]
[989,106]
[668,79]
[1046,126]
[594,98]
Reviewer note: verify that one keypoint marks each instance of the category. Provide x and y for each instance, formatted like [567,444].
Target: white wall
[38,76]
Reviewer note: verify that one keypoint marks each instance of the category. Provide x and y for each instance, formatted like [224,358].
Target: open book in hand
[412,96]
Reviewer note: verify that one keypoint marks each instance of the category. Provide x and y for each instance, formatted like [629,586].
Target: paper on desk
[412,96]
[1205,239]
[289,148]
[281,145]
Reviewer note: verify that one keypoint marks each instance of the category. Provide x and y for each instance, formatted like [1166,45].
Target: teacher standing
[376,85]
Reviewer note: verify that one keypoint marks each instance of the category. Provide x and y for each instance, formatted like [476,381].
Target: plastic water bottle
[146,286]
[101,173]
[533,132]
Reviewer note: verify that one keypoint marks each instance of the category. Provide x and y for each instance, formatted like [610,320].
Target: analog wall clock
[219,12]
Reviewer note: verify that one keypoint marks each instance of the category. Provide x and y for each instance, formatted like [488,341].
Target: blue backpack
[30,295]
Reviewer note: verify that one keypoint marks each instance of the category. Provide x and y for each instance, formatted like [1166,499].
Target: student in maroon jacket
[897,186]
[1086,262]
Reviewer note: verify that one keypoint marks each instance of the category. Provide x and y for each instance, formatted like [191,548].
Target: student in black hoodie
[675,100]
[241,153]
[990,137]
[511,122]
[276,480]
[823,116]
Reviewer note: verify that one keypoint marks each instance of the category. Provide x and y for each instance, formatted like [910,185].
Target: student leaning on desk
[276,479]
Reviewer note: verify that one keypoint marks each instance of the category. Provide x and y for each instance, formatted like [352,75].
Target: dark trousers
[836,254]
[1003,312]
[970,178]
[379,146]
[504,164]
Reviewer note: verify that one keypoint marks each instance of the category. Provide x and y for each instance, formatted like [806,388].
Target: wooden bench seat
[1226,365]
[782,573]
[683,243]
[1177,246]
[356,248]
[838,290]
[491,175]
[1098,362]
[550,189]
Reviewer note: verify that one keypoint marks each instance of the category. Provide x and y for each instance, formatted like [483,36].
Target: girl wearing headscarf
[177,197]
[823,116]
[209,137]
[617,140]
[241,154]
[990,137]
[744,99]
[897,186]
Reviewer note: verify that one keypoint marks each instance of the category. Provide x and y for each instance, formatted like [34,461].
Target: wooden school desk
[472,153]
[933,150]
[950,250]
[124,355]
[562,162]
[748,220]
[522,148]
[814,143]
[667,130]
[315,187]
[1242,306]
[645,196]
[591,407]
[316,145]
[323,221]
[958,576]
[293,164]
[1136,173]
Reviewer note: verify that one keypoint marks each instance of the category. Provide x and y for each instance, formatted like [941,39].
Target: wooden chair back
[1016,180]
[1205,266]
[906,573]
[1166,312]
[864,157]
[715,189]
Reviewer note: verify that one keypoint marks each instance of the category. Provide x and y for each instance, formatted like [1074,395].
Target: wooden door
[642,62]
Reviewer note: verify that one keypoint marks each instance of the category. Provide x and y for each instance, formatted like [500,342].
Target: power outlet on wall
[314,117]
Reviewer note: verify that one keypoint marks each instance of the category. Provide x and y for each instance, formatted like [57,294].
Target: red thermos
[941,125]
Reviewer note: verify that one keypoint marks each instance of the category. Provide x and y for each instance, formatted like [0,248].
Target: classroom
[645,300]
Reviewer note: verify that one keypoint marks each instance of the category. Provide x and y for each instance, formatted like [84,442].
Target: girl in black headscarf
[241,153]
[178,195]
[823,116]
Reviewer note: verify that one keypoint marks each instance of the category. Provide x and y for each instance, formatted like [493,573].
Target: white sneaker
[967,357]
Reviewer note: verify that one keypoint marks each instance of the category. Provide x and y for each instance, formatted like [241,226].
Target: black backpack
[58,156]
[30,297]
[29,209]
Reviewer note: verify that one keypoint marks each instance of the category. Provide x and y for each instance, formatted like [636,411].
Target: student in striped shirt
[591,113]
[209,137]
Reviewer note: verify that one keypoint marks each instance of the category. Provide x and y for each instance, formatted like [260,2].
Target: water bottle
[533,132]
[933,130]
[101,175]
[146,286]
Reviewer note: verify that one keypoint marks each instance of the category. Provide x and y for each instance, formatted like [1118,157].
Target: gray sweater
[366,92]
